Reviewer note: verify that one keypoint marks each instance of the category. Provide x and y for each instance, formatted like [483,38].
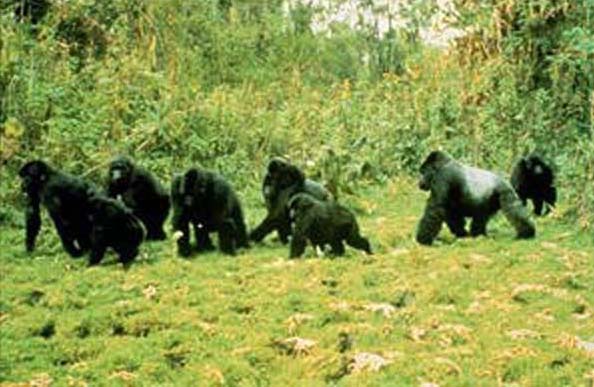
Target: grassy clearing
[467,312]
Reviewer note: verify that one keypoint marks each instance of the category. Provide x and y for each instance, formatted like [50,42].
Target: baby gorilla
[533,179]
[115,226]
[323,223]
[282,181]
[459,191]
[207,201]
[65,197]
[141,192]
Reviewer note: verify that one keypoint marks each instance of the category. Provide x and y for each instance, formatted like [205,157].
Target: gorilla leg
[516,214]
[203,241]
[479,226]
[181,223]
[430,224]
[337,248]
[33,222]
[457,225]
[357,241]
[98,248]
[68,240]
[266,227]
[538,202]
[240,228]
[227,237]
[284,230]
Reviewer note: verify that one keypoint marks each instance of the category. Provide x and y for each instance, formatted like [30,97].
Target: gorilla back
[67,200]
[459,191]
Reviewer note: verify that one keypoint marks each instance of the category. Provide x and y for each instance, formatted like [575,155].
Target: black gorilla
[32,10]
[141,192]
[533,178]
[459,191]
[115,226]
[282,181]
[67,200]
[206,200]
[323,223]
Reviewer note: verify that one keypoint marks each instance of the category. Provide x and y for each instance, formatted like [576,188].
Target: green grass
[472,312]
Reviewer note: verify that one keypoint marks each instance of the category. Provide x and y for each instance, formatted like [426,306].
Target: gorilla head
[120,173]
[459,191]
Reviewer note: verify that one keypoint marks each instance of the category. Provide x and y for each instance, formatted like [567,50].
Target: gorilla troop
[67,200]
[459,191]
[533,179]
[115,226]
[141,192]
[281,182]
[323,223]
[207,201]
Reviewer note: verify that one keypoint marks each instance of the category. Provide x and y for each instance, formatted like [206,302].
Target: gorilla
[208,201]
[281,182]
[67,200]
[533,178]
[115,226]
[32,10]
[459,191]
[141,192]
[323,223]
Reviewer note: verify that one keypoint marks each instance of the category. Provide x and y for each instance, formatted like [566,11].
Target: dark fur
[323,223]
[67,200]
[115,226]
[281,182]
[141,192]
[533,179]
[31,10]
[209,203]
[458,192]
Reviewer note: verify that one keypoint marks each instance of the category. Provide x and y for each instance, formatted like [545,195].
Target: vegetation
[228,84]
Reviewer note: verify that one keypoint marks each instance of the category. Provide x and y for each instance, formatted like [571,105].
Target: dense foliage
[227,84]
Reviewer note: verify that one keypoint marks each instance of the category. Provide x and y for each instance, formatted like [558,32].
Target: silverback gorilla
[533,178]
[140,192]
[67,200]
[323,223]
[115,226]
[459,191]
[281,182]
[208,201]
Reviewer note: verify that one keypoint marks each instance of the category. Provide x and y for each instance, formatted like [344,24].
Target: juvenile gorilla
[207,201]
[67,200]
[459,191]
[323,223]
[115,226]
[533,178]
[141,192]
[281,182]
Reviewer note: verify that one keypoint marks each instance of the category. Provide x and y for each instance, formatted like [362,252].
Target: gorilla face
[120,172]
[430,167]
[33,175]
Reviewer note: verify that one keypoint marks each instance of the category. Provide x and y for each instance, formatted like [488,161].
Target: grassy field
[488,311]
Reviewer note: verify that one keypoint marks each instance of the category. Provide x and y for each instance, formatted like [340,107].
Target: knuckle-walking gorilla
[66,199]
[281,182]
[208,202]
[323,223]
[141,192]
[458,192]
[115,226]
[533,179]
